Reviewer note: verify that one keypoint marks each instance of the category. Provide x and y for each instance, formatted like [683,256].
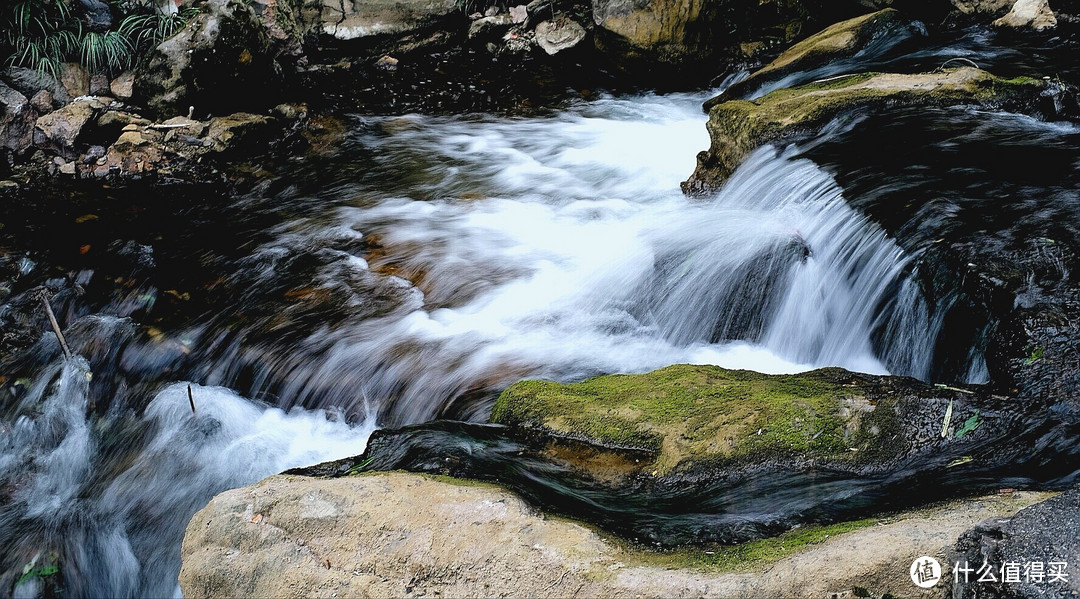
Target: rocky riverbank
[750,484]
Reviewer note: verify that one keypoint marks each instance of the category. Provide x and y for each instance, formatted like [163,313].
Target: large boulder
[738,127]
[397,534]
[59,131]
[231,56]
[1041,539]
[360,19]
[29,82]
[17,118]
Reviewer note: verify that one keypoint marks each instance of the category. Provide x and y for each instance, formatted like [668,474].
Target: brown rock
[75,79]
[231,132]
[393,534]
[17,118]
[121,86]
[42,101]
[59,130]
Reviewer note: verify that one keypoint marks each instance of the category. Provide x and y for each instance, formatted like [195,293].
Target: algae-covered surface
[686,413]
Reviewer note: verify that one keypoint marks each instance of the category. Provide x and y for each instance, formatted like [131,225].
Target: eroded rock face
[397,534]
[738,127]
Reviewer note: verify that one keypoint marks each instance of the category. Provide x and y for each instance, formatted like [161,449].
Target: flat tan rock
[397,534]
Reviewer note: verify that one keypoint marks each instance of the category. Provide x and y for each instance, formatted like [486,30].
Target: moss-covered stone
[686,415]
[881,30]
[738,127]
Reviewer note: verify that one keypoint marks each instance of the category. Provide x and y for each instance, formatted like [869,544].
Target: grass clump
[44,34]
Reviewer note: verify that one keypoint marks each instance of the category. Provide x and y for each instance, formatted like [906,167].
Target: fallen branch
[191,399]
[55,325]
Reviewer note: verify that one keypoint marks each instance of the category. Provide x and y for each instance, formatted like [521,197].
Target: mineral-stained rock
[490,28]
[75,79]
[737,127]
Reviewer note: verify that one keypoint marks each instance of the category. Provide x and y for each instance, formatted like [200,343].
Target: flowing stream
[448,258]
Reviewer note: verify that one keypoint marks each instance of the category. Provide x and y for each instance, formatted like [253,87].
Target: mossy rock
[738,127]
[685,417]
[865,35]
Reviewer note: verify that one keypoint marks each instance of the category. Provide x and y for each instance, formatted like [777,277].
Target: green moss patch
[753,554]
[687,413]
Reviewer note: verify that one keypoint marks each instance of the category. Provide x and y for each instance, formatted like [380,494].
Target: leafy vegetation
[44,34]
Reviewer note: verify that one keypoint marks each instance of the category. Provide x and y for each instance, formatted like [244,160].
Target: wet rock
[559,35]
[353,20]
[236,132]
[490,28]
[1047,533]
[1034,14]
[868,34]
[59,130]
[29,82]
[17,117]
[737,127]
[121,87]
[687,416]
[75,79]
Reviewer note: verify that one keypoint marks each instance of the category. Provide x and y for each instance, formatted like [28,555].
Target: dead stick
[191,399]
[55,325]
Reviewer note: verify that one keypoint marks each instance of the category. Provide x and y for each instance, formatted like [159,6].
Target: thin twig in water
[55,325]
[961,58]
[191,399]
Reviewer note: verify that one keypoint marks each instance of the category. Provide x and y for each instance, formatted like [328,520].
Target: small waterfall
[472,253]
[562,248]
[106,499]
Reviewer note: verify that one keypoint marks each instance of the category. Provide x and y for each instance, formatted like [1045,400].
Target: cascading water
[474,252]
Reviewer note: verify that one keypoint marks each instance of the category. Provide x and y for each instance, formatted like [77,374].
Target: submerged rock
[737,127]
[396,534]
